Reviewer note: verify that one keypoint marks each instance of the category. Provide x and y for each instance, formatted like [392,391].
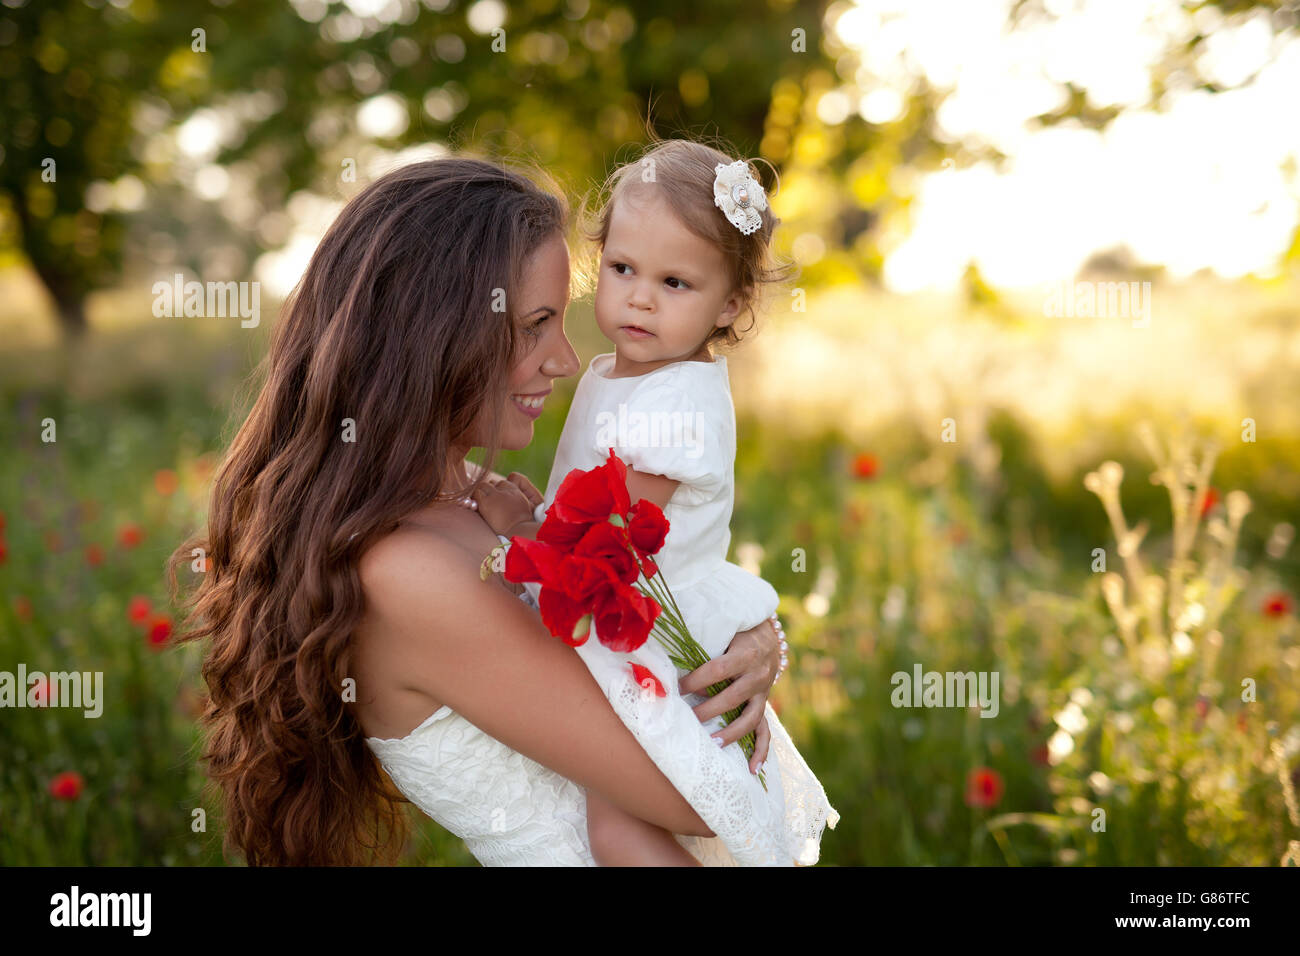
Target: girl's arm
[619,839]
[470,644]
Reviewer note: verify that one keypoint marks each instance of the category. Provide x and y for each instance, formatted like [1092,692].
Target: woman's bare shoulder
[429,541]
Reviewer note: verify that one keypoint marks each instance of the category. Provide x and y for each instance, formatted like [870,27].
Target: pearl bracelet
[780,633]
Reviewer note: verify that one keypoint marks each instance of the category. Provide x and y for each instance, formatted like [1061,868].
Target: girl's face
[661,289]
[545,354]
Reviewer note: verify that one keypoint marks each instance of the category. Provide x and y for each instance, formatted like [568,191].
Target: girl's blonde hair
[682,171]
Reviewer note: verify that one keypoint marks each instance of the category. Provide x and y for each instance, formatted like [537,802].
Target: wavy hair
[394,330]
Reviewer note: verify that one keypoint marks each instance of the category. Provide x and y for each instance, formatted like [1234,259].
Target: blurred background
[1031,408]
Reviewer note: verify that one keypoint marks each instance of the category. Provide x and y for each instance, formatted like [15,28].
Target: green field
[891,547]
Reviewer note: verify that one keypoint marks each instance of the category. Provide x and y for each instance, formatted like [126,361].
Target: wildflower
[1277,605]
[138,609]
[983,788]
[159,631]
[23,607]
[865,465]
[130,535]
[94,555]
[1211,499]
[4,551]
[164,481]
[66,785]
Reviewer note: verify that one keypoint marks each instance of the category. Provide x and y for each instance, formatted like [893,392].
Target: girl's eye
[619,265]
[680,285]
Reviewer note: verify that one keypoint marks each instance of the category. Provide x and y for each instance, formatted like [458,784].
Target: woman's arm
[468,643]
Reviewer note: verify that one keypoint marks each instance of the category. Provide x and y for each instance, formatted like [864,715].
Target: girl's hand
[752,660]
[505,502]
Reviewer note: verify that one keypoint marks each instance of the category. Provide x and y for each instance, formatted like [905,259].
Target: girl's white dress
[511,810]
[679,421]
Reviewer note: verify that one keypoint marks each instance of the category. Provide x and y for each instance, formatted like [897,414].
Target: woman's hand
[752,659]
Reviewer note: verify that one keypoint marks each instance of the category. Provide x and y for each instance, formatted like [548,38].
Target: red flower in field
[645,677]
[1211,499]
[983,788]
[138,609]
[40,691]
[159,632]
[130,535]
[1039,755]
[865,465]
[4,551]
[94,555]
[66,785]
[1241,720]
[1202,706]
[23,607]
[164,481]
[1277,605]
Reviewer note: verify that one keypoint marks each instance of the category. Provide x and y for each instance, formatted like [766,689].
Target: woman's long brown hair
[396,325]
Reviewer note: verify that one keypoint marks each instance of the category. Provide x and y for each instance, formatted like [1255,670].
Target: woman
[341,587]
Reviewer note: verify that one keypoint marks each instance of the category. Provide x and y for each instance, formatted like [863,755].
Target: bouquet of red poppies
[593,559]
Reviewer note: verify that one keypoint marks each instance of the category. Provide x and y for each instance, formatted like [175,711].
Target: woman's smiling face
[546,353]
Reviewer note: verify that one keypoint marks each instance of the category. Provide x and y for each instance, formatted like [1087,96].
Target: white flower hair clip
[739,195]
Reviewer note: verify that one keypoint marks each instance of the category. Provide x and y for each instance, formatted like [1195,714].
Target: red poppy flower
[23,607]
[66,785]
[588,497]
[647,527]
[130,535]
[865,465]
[983,788]
[164,481]
[564,617]
[94,555]
[532,561]
[4,551]
[138,609]
[624,618]
[1277,605]
[1211,499]
[159,631]
[580,577]
[645,677]
[610,545]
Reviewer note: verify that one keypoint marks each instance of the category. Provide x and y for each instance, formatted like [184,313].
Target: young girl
[685,241]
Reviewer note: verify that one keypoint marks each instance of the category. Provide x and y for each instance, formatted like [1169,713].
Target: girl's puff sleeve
[669,431]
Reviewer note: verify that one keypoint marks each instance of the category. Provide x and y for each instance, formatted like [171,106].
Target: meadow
[1073,507]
